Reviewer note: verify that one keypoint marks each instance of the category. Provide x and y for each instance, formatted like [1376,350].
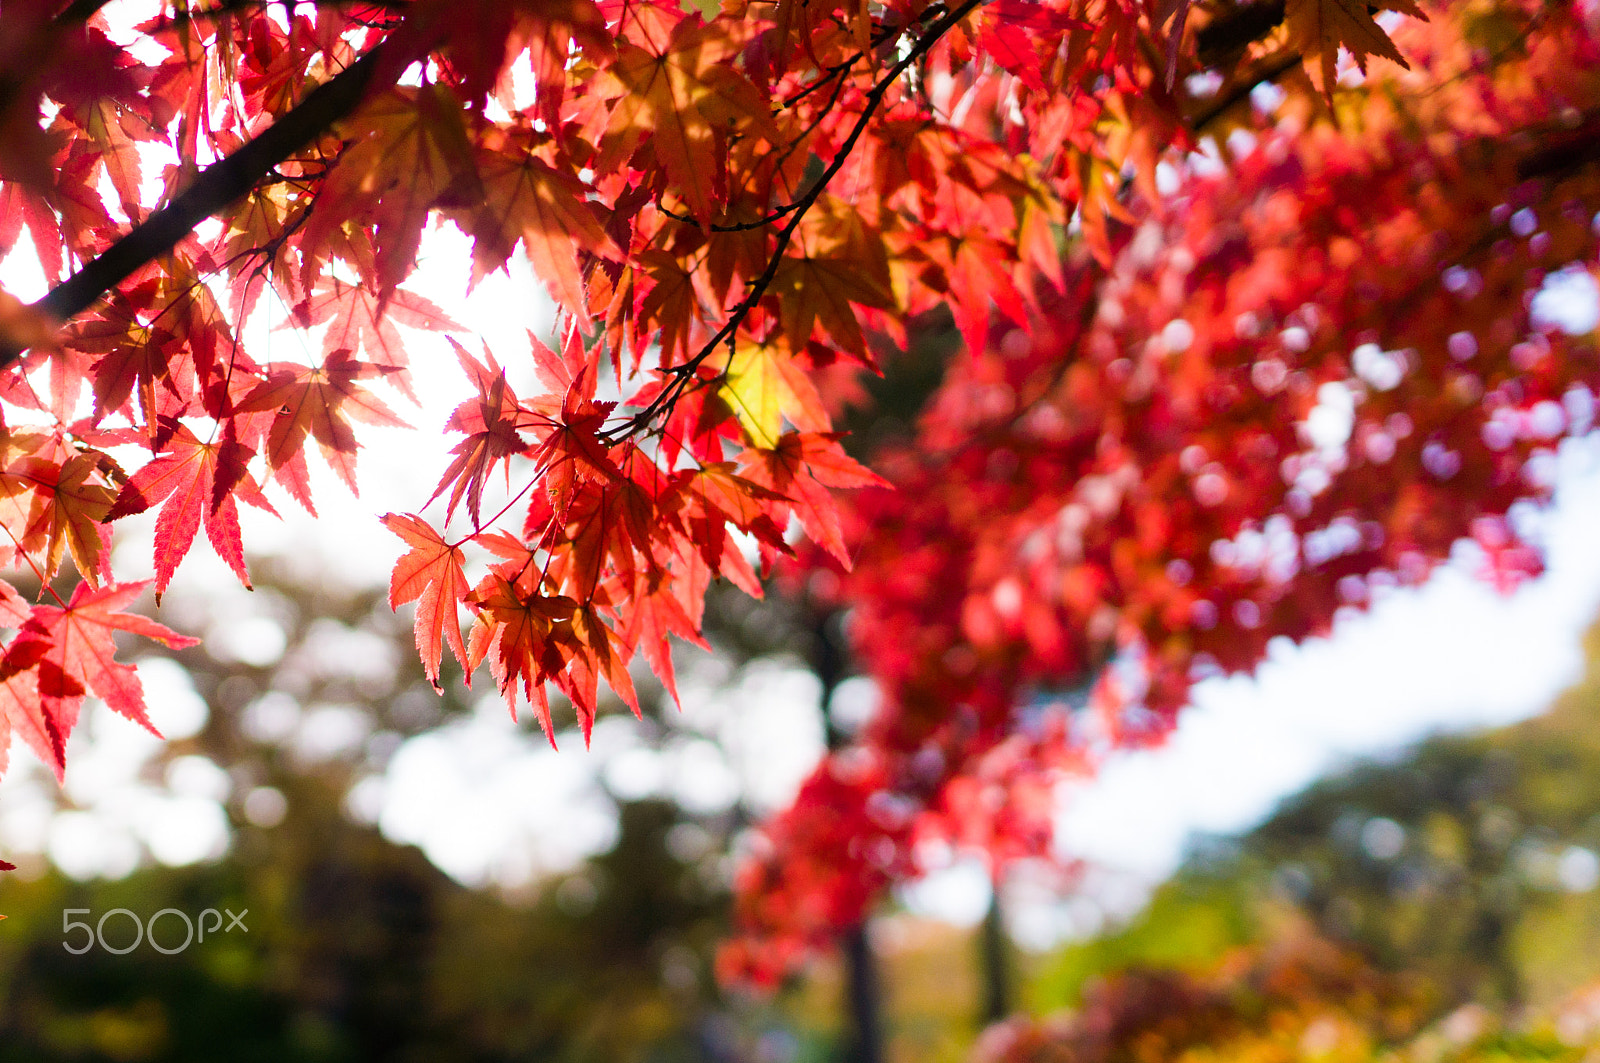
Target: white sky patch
[176,709]
[183,830]
[1569,301]
[958,894]
[258,641]
[489,804]
[767,726]
[126,814]
[1330,421]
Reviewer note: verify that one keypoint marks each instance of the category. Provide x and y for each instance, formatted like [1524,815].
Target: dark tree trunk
[994,960]
[863,994]
[864,997]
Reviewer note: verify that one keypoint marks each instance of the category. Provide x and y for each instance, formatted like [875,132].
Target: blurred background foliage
[1470,860]
[359,948]
[1439,907]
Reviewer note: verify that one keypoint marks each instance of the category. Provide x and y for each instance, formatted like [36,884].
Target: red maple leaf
[519,634]
[359,321]
[198,481]
[490,425]
[800,468]
[321,402]
[61,654]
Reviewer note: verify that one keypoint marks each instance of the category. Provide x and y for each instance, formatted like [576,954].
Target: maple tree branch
[216,186]
[686,371]
[1567,153]
[1237,28]
[78,11]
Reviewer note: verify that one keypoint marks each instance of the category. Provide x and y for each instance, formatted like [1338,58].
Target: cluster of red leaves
[1138,488]
[720,204]
[732,209]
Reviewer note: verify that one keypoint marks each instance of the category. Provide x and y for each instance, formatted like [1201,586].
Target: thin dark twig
[777,213]
[827,109]
[686,371]
[828,75]
[737,227]
[835,74]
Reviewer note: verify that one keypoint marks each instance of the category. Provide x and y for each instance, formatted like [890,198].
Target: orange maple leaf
[430,573]
[598,652]
[669,305]
[409,152]
[320,402]
[682,91]
[716,498]
[1319,27]
[527,199]
[520,632]
[799,468]
[654,613]
[823,289]
[66,512]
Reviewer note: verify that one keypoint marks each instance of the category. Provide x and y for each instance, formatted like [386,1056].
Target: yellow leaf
[751,389]
[761,386]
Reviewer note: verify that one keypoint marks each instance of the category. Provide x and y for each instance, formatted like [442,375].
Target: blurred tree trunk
[863,997]
[863,994]
[994,959]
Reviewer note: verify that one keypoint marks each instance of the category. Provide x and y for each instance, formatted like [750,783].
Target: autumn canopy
[1245,293]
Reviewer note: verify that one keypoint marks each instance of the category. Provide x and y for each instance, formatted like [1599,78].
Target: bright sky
[490,803]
